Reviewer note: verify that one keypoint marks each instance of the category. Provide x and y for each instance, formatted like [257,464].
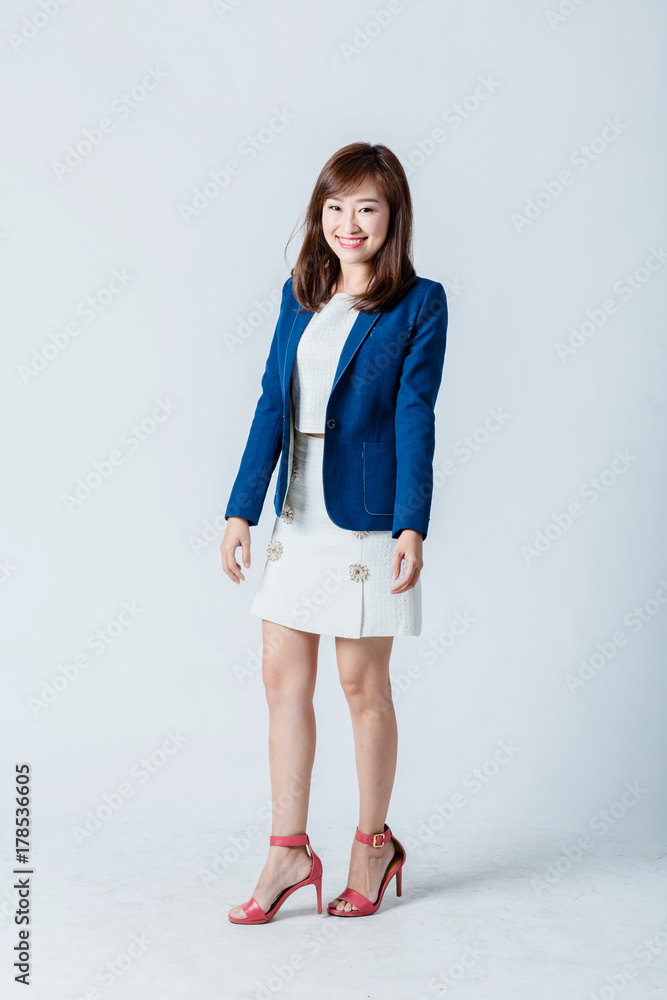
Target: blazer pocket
[378,460]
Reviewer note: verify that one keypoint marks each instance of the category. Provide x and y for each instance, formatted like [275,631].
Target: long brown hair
[318,268]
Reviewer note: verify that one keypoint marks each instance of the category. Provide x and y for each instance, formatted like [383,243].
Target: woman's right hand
[237,533]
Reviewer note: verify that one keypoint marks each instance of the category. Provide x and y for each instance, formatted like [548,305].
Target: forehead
[368,190]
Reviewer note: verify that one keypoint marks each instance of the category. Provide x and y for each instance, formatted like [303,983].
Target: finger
[398,586]
[228,570]
[245,546]
[230,565]
[396,564]
[409,579]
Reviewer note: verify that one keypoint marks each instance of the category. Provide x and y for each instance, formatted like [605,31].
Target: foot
[367,869]
[285,867]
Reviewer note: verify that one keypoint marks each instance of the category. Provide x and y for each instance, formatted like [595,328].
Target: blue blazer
[379,437]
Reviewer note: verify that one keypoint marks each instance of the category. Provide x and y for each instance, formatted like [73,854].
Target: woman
[348,396]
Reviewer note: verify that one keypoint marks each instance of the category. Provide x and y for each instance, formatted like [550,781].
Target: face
[355,225]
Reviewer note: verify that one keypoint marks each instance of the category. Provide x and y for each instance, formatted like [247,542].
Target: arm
[421,376]
[264,441]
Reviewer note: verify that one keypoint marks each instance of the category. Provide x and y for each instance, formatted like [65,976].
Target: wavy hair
[317,268]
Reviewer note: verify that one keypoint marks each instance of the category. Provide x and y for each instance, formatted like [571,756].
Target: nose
[348,226]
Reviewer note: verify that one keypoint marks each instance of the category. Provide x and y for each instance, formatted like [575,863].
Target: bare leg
[363,667]
[289,671]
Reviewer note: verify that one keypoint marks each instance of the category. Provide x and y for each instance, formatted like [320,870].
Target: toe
[341,904]
[238,913]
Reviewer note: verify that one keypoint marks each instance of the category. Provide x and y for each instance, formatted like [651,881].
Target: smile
[351,244]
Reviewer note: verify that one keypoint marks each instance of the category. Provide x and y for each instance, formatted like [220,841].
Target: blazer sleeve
[264,439]
[421,376]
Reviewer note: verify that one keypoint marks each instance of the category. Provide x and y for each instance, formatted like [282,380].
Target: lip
[356,242]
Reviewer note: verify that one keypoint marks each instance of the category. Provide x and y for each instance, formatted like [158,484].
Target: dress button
[331,422]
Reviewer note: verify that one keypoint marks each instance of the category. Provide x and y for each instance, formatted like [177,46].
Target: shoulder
[428,288]
[422,290]
[432,298]
[424,299]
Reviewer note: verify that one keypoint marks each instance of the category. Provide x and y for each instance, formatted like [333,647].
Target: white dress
[319,577]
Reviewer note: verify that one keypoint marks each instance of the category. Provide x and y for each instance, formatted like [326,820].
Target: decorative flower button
[295,469]
[360,534]
[274,550]
[358,572]
[288,513]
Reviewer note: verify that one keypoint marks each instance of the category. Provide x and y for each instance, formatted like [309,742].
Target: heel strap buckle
[374,839]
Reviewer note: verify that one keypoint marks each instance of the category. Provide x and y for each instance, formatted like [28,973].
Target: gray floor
[130,914]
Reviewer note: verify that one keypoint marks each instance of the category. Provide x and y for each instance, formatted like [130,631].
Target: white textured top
[317,357]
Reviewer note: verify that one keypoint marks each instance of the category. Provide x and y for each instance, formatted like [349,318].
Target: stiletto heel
[395,867]
[254,913]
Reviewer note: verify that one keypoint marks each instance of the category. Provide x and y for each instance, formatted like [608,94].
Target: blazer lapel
[360,330]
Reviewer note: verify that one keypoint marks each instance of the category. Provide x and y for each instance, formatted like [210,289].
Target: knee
[281,683]
[364,696]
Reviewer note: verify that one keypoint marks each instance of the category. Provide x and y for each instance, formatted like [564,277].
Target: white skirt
[322,578]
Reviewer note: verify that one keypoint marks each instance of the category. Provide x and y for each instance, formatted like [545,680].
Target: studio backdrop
[157,159]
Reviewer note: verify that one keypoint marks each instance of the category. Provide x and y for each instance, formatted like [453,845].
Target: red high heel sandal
[255,913]
[395,867]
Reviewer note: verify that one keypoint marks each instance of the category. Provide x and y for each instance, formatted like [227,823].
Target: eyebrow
[333,197]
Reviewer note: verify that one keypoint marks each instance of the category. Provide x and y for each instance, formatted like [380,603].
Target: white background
[187,663]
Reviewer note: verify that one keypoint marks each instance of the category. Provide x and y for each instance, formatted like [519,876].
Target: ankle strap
[374,839]
[298,840]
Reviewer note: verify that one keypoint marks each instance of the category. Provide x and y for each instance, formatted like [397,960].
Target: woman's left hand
[409,546]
